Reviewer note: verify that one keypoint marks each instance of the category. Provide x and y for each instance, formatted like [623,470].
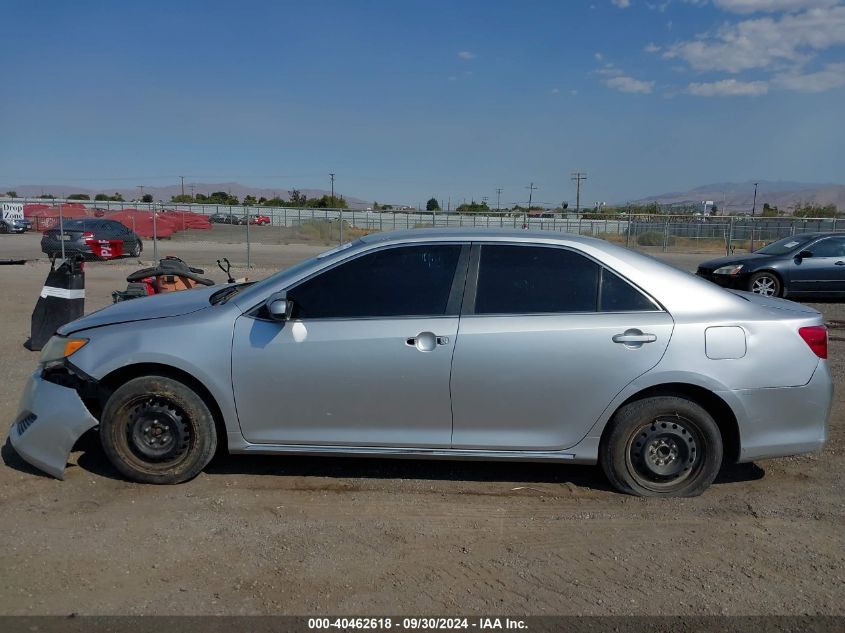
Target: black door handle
[839,263]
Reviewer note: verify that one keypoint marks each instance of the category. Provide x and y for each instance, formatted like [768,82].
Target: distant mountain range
[732,197]
[166,193]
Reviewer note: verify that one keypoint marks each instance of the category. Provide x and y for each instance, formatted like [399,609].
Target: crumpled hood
[153,307]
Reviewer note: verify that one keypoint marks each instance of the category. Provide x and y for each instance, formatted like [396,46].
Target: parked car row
[15,225]
[231,218]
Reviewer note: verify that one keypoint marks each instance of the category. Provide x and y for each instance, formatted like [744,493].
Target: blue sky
[409,99]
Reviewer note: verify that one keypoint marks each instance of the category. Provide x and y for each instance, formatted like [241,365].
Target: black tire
[765,283]
[663,446]
[135,251]
[4,228]
[157,430]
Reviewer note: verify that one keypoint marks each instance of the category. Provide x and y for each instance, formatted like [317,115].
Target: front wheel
[157,430]
[662,446]
[766,284]
[4,228]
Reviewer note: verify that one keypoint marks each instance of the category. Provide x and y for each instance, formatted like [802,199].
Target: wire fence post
[155,234]
[665,233]
[248,261]
[628,234]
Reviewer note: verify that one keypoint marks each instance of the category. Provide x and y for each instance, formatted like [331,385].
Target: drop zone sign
[12,211]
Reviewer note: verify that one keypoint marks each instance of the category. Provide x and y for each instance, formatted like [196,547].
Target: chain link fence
[250,225]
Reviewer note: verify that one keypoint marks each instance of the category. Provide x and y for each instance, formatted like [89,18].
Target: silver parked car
[442,344]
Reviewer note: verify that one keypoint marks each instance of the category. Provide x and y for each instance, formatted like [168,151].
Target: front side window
[393,282]
[831,247]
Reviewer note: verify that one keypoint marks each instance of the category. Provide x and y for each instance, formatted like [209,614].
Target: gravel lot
[264,535]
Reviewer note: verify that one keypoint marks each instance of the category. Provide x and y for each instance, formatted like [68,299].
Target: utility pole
[332,177]
[754,204]
[531,189]
[183,185]
[578,176]
[340,218]
[141,196]
[498,199]
[192,192]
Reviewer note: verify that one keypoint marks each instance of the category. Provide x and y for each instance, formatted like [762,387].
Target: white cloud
[598,57]
[831,76]
[622,4]
[728,88]
[466,55]
[753,6]
[555,91]
[652,48]
[764,42]
[623,83]
[573,92]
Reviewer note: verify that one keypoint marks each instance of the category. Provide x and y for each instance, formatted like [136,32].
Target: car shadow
[92,459]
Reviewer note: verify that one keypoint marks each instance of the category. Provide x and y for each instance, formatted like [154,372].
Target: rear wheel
[766,284]
[662,446]
[135,250]
[157,430]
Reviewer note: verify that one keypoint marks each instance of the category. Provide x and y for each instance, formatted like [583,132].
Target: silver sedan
[442,344]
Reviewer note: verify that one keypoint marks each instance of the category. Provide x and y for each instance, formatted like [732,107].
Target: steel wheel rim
[157,431]
[764,285]
[665,453]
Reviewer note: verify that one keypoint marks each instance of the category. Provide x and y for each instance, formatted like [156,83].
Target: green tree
[815,211]
[12,193]
[101,197]
[473,207]
[147,197]
[79,196]
[770,211]
[432,205]
[250,201]
[297,199]
[46,196]
[326,202]
[183,198]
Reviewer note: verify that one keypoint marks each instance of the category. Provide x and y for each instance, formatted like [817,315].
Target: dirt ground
[261,535]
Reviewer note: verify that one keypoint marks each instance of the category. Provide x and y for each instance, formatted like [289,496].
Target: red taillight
[816,337]
[88,235]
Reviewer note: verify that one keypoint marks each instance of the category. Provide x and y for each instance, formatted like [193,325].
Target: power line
[578,176]
[183,184]
[498,198]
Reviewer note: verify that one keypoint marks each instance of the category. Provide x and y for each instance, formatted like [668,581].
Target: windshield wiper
[222,296]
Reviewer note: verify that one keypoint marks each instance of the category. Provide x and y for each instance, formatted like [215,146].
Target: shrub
[654,238]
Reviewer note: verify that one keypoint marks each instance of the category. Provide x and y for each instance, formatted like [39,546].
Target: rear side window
[617,295]
[530,280]
[402,281]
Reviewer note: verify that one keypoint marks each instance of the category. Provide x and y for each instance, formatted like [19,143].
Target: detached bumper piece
[50,420]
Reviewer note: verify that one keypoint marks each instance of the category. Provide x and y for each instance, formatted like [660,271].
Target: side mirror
[279,307]
[804,254]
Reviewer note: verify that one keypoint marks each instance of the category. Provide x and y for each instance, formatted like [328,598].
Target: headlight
[58,348]
[733,269]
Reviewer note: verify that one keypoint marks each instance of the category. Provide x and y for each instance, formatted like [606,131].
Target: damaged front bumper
[50,419]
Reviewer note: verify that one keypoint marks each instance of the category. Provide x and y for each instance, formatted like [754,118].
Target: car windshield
[784,246]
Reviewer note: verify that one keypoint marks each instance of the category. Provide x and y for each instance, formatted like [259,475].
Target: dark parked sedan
[226,218]
[95,238]
[14,225]
[807,264]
